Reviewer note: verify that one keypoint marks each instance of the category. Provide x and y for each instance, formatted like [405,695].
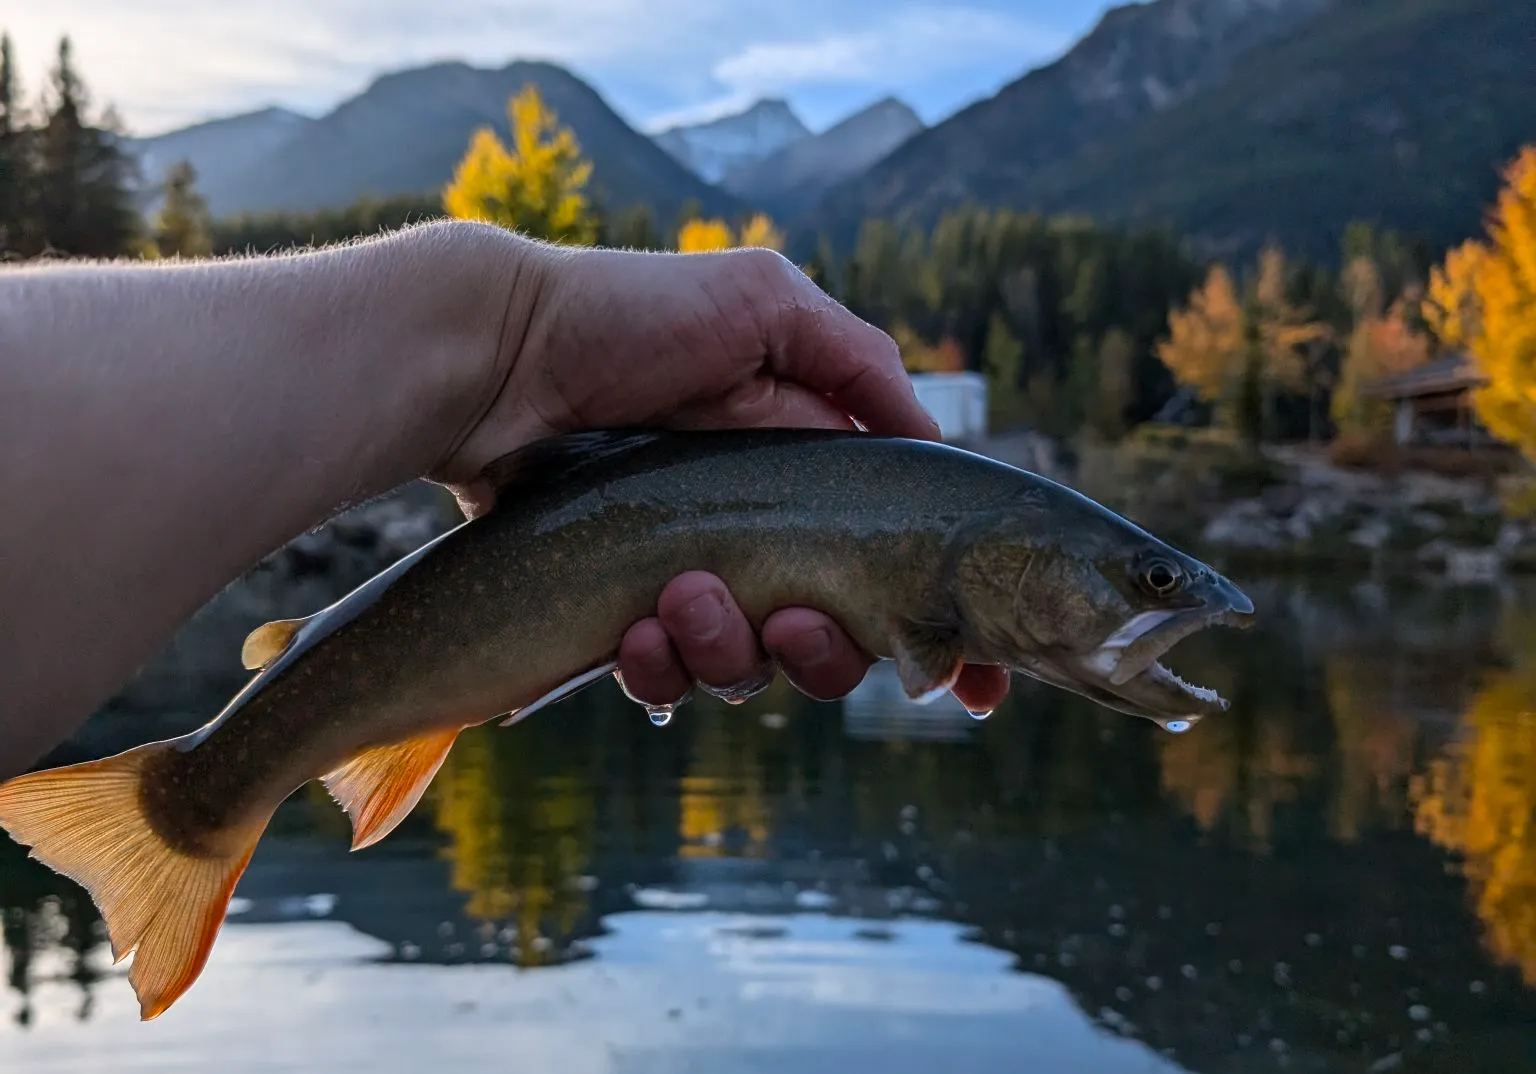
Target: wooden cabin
[1432,404]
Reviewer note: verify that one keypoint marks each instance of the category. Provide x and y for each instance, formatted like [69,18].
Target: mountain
[220,148]
[792,179]
[405,133]
[712,149]
[1235,121]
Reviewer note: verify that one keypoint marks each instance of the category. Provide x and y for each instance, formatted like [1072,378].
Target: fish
[927,554]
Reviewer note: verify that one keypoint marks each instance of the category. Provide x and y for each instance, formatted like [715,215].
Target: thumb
[765,402]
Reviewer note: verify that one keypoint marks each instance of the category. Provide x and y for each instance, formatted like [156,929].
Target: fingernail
[807,649]
[704,618]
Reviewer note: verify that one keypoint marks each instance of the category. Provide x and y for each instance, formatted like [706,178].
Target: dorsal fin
[267,642]
[558,458]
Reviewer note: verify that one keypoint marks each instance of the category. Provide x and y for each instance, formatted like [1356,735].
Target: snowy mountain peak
[712,149]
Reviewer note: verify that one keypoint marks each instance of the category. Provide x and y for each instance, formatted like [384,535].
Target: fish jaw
[1126,669]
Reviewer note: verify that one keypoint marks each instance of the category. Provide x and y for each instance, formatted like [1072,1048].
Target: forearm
[164,427]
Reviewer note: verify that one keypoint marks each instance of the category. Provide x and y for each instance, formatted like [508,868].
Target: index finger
[821,345]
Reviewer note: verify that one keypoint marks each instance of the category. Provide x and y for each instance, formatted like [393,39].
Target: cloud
[921,41]
[167,62]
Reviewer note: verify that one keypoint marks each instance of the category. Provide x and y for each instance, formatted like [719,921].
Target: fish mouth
[1126,671]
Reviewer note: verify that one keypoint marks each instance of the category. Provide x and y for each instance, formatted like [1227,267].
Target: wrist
[466,293]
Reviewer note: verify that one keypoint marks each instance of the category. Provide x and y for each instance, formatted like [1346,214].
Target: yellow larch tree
[1238,348]
[1204,347]
[760,231]
[1483,301]
[699,236]
[703,236]
[1383,343]
[535,186]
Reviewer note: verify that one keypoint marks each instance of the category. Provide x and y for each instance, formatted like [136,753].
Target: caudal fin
[162,906]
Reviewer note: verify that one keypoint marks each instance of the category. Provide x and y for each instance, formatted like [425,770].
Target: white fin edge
[561,692]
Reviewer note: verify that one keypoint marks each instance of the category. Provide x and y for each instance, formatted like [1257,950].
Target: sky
[165,63]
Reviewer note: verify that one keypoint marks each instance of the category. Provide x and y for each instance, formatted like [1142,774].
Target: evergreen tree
[15,170]
[632,229]
[84,207]
[1114,384]
[183,227]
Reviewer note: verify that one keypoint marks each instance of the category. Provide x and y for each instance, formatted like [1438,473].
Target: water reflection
[1340,874]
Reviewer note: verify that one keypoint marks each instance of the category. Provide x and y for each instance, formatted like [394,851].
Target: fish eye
[1161,578]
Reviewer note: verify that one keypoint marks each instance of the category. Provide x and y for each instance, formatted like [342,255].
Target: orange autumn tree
[1483,301]
[1205,337]
[1237,348]
[1383,343]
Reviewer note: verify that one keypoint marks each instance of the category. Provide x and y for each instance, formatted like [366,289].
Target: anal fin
[379,787]
[928,661]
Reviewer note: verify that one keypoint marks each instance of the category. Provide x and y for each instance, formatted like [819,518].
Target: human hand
[602,338]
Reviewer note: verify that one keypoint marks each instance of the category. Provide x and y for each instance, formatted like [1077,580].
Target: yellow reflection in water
[722,807]
[1478,800]
[518,843]
[1237,773]
[1375,743]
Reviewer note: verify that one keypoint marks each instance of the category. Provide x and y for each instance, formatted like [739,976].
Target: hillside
[406,131]
[220,148]
[1375,115]
[793,179]
[1138,59]
[711,150]
[1367,109]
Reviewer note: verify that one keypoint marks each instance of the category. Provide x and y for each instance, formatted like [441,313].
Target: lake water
[1339,876]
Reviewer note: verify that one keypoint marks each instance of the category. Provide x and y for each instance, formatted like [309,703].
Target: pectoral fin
[928,661]
[379,787]
[267,642]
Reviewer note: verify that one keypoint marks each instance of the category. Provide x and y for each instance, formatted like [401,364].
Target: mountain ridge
[405,132]
[790,181]
[714,148]
[1368,110]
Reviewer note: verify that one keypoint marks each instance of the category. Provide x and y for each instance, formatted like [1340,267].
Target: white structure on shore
[957,401]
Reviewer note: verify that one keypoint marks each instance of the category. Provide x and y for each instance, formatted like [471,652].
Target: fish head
[1063,590]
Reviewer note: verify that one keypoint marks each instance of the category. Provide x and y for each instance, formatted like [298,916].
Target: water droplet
[979,714]
[1398,951]
[660,715]
[1418,1012]
[1177,727]
[1476,988]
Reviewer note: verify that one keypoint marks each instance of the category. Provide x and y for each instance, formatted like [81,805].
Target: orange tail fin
[379,787]
[162,906]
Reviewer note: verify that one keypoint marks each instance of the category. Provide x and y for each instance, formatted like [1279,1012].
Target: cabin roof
[1453,373]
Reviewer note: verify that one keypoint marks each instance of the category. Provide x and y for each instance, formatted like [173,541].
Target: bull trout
[926,554]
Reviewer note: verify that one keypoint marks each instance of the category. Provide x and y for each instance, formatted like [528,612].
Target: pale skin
[165,426]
